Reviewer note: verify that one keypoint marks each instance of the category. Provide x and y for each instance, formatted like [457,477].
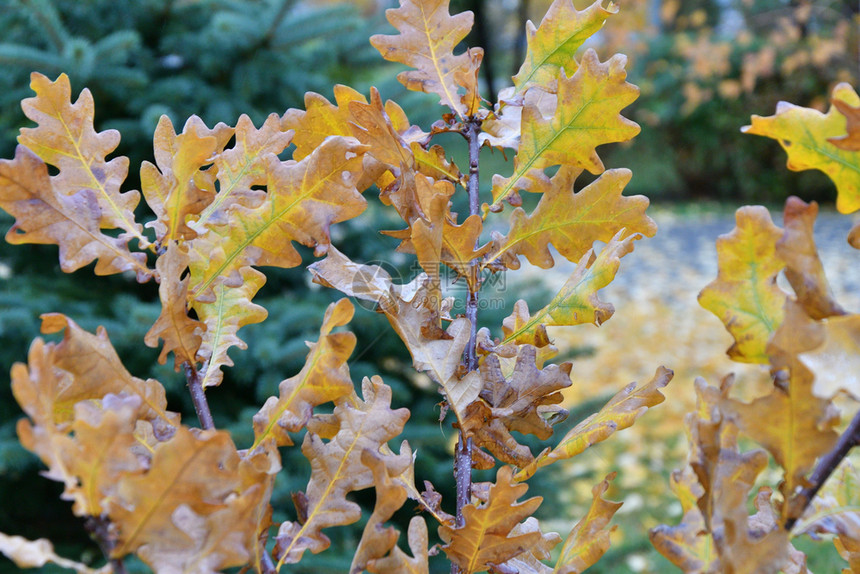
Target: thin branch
[828,463]
[198,397]
[463,452]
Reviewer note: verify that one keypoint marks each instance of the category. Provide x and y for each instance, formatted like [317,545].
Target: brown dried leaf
[398,562]
[529,562]
[745,295]
[618,414]
[337,469]
[803,267]
[181,333]
[46,215]
[323,378]
[428,36]
[485,537]
[835,362]
[589,539]
[65,138]
[851,141]
[572,222]
[36,553]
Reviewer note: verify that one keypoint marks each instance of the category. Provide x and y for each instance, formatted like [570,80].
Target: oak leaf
[552,46]
[398,562]
[174,187]
[834,362]
[45,215]
[485,536]
[66,139]
[589,539]
[529,562]
[320,119]
[572,222]
[181,333]
[805,135]
[803,267]
[427,39]
[586,115]
[323,378]
[619,413]
[577,302]
[836,507]
[851,141]
[745,295]
[36,553]
[337,470]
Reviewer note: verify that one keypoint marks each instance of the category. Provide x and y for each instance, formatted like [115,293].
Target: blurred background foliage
[703,67]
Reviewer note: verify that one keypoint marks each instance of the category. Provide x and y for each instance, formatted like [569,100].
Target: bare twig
[828,463]
[198,397]
[98,529]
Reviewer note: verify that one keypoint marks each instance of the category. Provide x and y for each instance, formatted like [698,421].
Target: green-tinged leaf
[485,537]
[618,414]
[323,378]
[589,539]
[577,302]
[744,295]
[66,139]
[553,45]
[807,135]
[587,115]
[45,215]
[572,222]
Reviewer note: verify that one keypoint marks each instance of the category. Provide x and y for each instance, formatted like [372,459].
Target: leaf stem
[198,397]
[828,463]
[463,453]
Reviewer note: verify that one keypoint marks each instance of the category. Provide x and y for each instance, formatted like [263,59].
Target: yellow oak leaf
[172,187]
[181,333]
[619,413]
[320,119]
[586,115]
[323,378]
[485,537]
[46,215]
[242,168]
[577,302]
[589,539]
[66,139]
[803,267]
[745,295]
[427,39]
[552,46]
[337,469]
[804,134]
[572,222]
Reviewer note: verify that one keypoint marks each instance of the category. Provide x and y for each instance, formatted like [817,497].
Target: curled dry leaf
[36,553]
[806,136]
[486,536]
[745,295]
[398,562]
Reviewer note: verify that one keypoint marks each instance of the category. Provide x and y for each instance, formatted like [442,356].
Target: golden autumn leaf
[589,539]
[835,361]
[181,333]
[745,295]
[619,413]
[577,301]
[36,553]
[587,115]
[803,267]
[572,222]
[553,45]
[337,470]
[242,168]
[689,545]
[45,215]
[485,537]
[804,134]
[66,139]
[323,378]
[320,119]
[398,562]
[427,39]
[434,350]
[172,187]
